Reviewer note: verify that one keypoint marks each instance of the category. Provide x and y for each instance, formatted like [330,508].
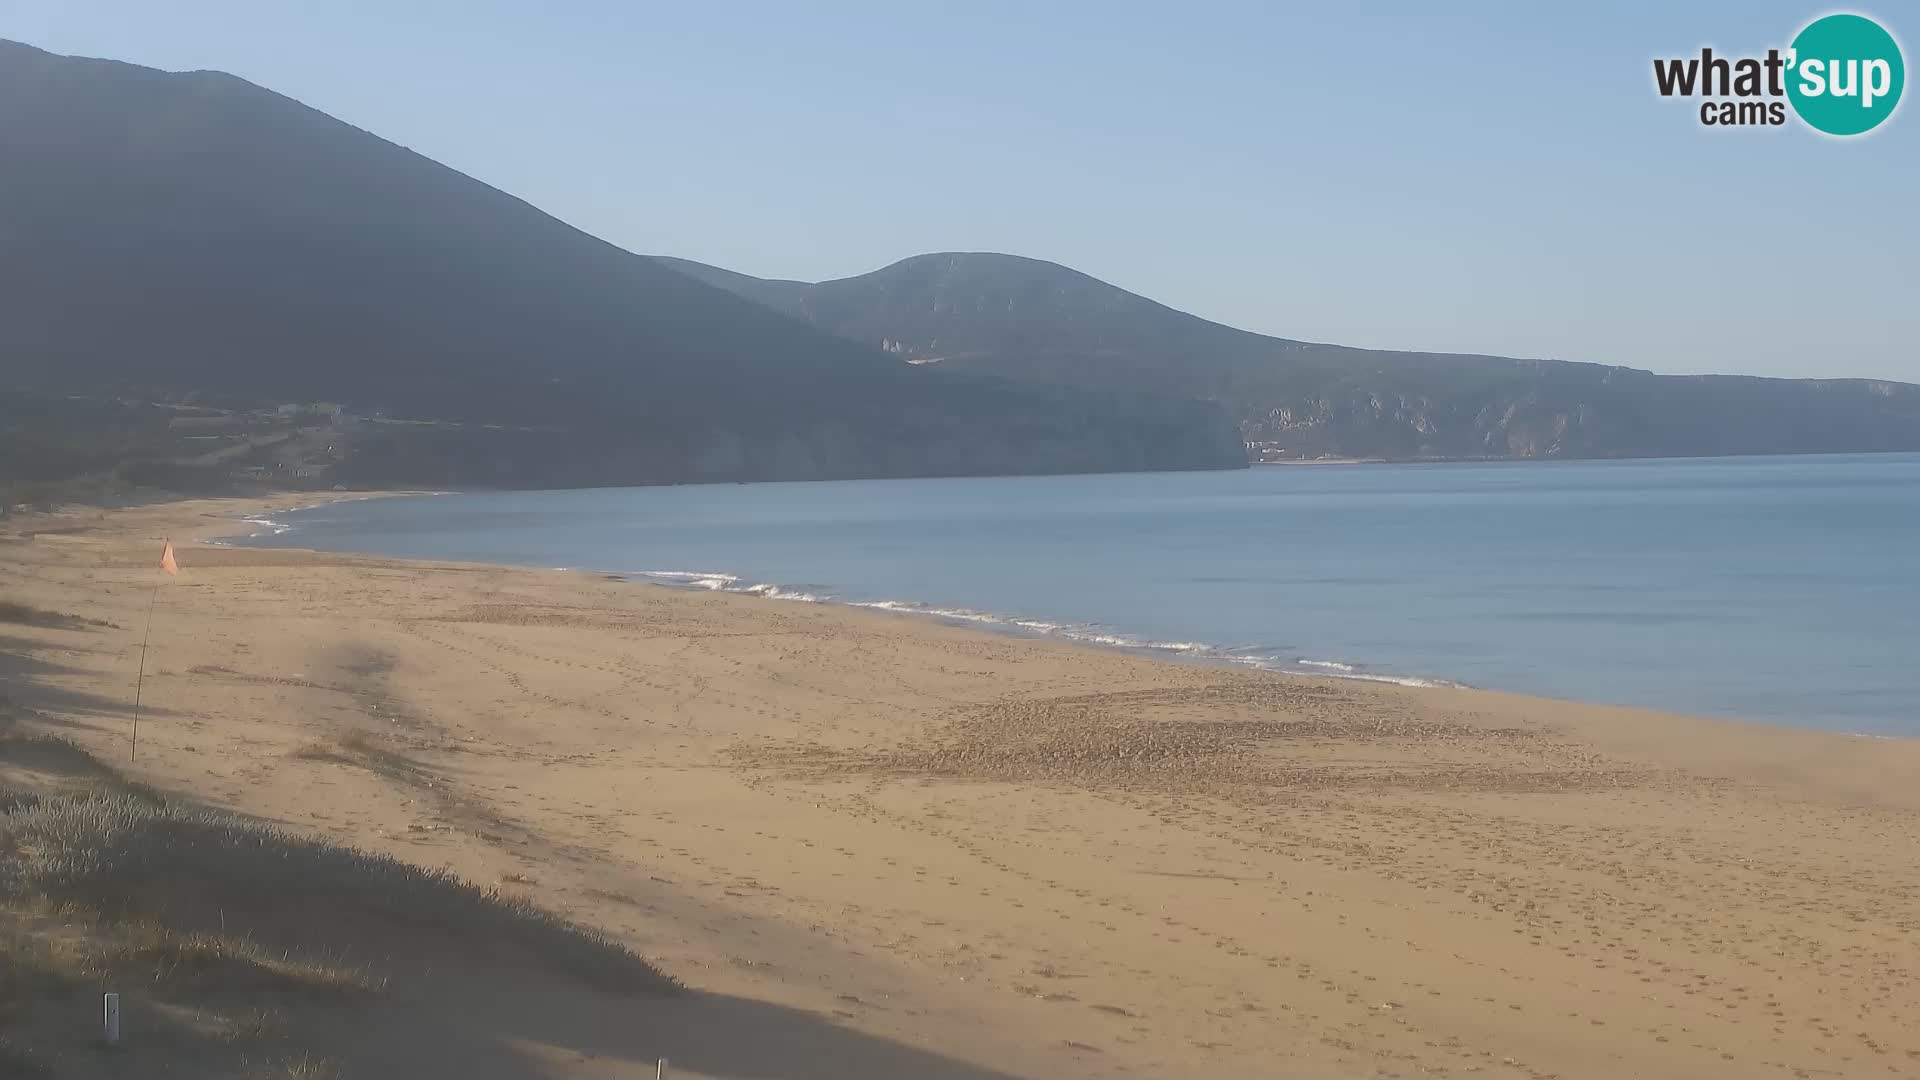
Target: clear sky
[1491,178]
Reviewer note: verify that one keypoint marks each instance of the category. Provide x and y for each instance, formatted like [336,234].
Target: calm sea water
[1775,589]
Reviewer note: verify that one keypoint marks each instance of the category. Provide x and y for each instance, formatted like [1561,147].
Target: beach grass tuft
[106,884]
[188,884]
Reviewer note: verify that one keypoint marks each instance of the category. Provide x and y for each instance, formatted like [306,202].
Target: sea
[1783,590]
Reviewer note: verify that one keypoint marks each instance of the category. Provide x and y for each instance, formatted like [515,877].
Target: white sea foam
[1397,680]
[964,615]
[697,579]
[719,582]
[1091,635]
[269,527]
[775,592]
[907,607]
[1333,669]
[1127,641]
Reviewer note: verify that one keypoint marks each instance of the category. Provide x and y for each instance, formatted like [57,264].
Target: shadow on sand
[458,1008]
[29,682]
[521,1027]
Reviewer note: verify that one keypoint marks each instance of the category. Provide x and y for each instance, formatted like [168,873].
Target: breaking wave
[697,579]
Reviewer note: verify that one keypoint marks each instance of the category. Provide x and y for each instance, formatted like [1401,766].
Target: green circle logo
[1845,74]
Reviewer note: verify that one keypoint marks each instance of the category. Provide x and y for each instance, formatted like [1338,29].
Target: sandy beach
[876,845]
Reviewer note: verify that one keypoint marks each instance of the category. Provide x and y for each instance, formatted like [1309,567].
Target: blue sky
[1492,178]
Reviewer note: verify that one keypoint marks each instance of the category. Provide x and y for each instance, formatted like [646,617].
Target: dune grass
[70,769]
[130,860]
[104,884]
[304,1067]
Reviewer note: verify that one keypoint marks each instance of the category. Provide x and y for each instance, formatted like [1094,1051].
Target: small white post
[660,1070]
[111,1019]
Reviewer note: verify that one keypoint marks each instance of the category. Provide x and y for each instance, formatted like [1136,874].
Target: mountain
[1023,318]
[194,238]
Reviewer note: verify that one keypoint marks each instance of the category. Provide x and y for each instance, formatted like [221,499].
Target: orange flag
[166,560]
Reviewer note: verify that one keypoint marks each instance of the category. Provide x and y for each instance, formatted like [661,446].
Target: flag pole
[139,682]
[170,568]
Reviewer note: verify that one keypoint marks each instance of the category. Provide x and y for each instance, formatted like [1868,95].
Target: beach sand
[876,845]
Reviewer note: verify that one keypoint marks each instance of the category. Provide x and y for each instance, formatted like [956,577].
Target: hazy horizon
[1550,204]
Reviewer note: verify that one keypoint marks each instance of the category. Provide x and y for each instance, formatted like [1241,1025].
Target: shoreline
[1025,627]
[1019,628]
[1022,857]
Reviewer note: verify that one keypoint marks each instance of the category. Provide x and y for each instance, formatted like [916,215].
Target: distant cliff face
[1575,410]
[1033,320]
[193,236]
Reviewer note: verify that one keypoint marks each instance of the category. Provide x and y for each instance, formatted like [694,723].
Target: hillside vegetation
[194,239]
[1028,319]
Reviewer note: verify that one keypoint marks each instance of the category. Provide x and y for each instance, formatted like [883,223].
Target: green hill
[1023,318]
[193,237]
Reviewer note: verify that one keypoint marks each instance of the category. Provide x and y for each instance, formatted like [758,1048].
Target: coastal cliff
[1037,321]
